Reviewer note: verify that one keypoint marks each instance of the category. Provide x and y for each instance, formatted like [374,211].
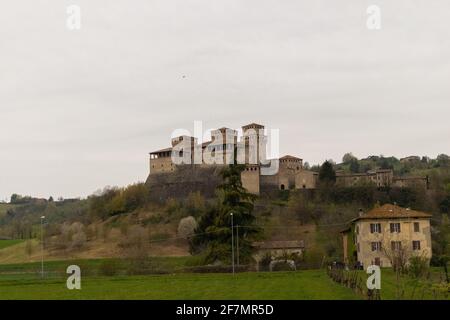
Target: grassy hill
[4,207]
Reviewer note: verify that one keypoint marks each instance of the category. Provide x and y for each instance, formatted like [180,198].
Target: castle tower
[255,143]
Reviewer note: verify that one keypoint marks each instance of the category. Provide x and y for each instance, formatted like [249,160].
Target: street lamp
[232,242]
[42,246]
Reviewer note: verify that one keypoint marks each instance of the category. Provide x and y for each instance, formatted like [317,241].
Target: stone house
[385,234]
[277,249]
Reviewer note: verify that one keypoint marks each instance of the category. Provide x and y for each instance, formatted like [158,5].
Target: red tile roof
[389,211]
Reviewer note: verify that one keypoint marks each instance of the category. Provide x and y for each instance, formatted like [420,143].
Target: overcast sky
[81,109]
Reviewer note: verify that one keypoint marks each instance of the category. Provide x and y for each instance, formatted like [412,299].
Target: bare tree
[186,227]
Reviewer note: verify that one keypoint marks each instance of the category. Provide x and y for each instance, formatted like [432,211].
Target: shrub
[281,266]
[418,267]
[265,261]
[78,240]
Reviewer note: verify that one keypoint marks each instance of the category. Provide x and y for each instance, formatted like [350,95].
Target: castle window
[416,245]
[282,187]
[416,227]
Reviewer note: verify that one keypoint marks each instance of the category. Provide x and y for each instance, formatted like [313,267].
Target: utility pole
[42,246]
[232,242]
[237,245]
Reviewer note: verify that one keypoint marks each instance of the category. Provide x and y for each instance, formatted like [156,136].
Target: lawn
[410,288]
[18,282]
[8,243]
[23,281]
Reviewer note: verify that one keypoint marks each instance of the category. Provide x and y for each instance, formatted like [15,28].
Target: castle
[197,166]
[260,173]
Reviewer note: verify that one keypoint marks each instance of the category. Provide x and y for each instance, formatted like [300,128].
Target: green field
[296,285]
[23,281]
[8,243]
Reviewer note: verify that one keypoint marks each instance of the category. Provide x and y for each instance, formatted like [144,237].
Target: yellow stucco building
[387,235]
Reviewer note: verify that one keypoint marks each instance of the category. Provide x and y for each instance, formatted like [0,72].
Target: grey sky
[81,110]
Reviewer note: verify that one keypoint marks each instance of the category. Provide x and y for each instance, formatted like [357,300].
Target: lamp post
[237,245]
[42,246]
[232,242]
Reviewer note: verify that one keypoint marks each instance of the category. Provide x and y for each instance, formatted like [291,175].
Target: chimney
[360,212]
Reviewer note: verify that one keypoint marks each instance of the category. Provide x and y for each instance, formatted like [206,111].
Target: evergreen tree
[354,165]
[327,173]
[213,235]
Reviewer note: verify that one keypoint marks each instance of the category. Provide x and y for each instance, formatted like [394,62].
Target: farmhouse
[387,235]
[277,249]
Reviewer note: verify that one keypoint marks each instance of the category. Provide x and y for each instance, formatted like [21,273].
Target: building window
[357,247]
[375,228]
[357,230]
[395,227]
[376,246]
[416,227]
[396,245]
[416,245]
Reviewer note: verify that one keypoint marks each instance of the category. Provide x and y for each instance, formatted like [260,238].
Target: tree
[441,244]
[186,227]
[348,157]
[385,164]
[443,160]
[327,173]
[354,166]
[213,235]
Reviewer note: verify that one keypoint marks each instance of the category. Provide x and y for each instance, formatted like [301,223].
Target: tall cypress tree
[213,234]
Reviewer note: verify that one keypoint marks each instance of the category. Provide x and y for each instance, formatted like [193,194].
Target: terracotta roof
[290,157]
[392,211]
[253,124]
[225,129]
[162,150]
[279,244]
